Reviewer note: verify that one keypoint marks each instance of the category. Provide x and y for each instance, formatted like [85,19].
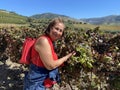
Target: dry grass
[12,25]
[83,26]
[102,27]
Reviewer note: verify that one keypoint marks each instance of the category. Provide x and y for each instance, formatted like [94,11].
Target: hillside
[107,20]
[47,15]
[51,16]
[11,17]
[14,18]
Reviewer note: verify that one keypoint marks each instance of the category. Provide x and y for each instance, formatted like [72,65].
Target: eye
[56,28]
[60,30]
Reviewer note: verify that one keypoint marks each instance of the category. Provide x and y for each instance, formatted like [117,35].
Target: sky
[73,8]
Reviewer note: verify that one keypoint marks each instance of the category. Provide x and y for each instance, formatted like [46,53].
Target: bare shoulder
[42,41]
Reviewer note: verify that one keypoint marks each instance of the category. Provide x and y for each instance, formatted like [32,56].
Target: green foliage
[83,57]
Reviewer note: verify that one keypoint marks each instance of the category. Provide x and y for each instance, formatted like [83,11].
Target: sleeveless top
[53,75]
[35,56]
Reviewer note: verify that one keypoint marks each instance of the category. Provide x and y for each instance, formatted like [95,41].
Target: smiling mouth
[55,34]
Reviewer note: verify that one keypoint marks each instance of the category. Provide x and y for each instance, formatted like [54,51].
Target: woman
[43,71]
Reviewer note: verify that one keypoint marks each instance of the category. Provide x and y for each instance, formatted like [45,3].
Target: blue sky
[73,8]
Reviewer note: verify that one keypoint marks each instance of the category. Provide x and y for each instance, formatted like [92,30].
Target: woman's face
[56,31]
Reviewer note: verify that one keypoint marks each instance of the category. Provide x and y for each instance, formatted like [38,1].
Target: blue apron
[34,79]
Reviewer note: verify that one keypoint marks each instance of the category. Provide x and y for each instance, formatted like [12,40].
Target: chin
[56,38]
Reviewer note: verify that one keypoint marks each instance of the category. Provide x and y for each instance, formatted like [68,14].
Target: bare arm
[43,48]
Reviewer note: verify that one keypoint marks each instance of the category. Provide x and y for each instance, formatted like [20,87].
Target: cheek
[61,34]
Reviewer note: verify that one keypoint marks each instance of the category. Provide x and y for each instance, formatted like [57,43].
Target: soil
[12,75]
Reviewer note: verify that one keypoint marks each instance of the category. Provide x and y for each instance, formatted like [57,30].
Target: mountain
[47,15]
[12,17]
[107,20]
[51,16]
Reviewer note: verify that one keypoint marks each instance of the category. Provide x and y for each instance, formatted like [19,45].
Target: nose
[59,32]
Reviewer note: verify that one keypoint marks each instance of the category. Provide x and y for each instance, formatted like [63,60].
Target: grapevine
[96,62]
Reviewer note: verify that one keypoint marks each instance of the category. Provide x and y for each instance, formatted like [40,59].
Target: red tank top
[35,56]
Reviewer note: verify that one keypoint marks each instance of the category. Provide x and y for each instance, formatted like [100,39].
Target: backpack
[26,51]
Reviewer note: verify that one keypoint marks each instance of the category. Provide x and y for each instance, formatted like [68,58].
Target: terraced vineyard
[95,66]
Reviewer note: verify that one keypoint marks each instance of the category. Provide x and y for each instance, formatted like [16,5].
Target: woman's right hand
[70,54]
